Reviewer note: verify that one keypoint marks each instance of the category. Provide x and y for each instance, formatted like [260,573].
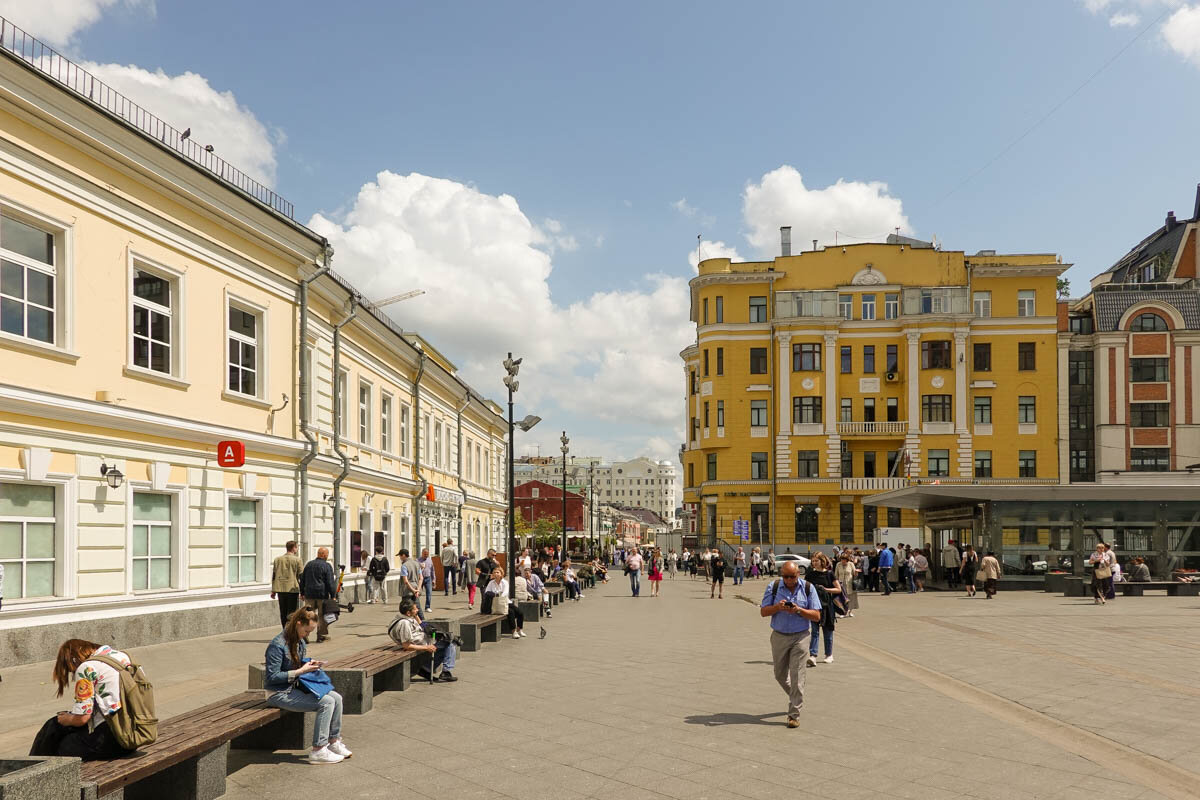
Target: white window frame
[262,371]
[177,313]
[386,403]
[427,448]
[62,271]
[386,521]
[1025,296]
[341,388]
[846,306]
[64,543]
[450,463]
[179,510]
[891,305]
[868,306]
[467,459]
[437,444]
[364,411]
[405,415]
[260,517]
[981,304]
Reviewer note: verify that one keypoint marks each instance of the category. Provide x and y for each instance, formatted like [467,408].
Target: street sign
[231,453]
[741,529]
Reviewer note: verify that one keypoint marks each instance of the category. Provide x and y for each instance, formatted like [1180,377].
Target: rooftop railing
[82,83]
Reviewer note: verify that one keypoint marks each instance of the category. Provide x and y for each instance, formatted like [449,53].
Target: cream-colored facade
[150,309]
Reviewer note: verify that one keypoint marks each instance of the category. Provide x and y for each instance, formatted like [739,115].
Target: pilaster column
[912,379]
[783,382]
[831,394]
[960,382]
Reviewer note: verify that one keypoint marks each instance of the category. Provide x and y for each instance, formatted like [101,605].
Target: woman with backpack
[283,678]
[377,572]
[970,565]
[94,670]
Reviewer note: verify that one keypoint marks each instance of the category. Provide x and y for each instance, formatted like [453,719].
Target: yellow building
[819,378]
[155,301]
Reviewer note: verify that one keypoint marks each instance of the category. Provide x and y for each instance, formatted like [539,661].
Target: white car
[804,563]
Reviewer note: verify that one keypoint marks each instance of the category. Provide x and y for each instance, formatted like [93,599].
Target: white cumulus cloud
[215,117]
[484,266]
[1181,32]
[57,21]
[1125,19]
[854,210]
[715,249]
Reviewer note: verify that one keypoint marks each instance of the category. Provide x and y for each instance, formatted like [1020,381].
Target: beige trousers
[788,653]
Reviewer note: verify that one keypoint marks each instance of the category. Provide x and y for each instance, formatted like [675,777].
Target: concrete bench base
[199,778]
[38,778]
[357,688]
[1172,588]
[475,634]
[532,610]
[292,731]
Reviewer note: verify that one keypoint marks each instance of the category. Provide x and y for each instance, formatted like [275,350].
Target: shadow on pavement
[768,663]
[712,720]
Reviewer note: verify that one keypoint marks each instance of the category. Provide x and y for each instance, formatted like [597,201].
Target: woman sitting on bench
[286,661]
[83,731]
[495,601]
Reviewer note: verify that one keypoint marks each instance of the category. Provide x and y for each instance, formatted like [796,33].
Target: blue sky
[620,131]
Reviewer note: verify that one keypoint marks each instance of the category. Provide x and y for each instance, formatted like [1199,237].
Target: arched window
[1148,322]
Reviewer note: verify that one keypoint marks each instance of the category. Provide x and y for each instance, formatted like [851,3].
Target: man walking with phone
[792,604]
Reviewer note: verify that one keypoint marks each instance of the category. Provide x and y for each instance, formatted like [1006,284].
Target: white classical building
[640,482]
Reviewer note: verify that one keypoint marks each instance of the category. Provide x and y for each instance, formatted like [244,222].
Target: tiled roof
[1112,304]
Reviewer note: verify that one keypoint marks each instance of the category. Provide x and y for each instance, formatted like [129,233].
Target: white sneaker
[828,659]
[851,614]
[812,661]
[323,756]
[580,597]
[340,748]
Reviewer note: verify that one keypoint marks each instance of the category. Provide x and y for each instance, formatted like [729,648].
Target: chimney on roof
[785,240]
[815,241]
[1171,223]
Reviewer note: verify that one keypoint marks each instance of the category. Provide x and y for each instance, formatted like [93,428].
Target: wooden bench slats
[480,619]
[375,660]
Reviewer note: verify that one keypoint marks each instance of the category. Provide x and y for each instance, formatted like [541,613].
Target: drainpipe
[305,532]
[338,411]
[773,412]
[417,453]
[461,488]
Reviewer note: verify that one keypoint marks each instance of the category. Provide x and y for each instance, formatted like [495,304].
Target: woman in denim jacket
[285,663]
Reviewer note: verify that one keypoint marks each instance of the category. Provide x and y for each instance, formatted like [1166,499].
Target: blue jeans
[446,653]
[635,581]
[815,636]
[883,579]
[912,581]
[739,575]
[329,711]
[429,593]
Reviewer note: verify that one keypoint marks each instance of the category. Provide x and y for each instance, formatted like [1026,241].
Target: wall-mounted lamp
[960,358]
[113,476]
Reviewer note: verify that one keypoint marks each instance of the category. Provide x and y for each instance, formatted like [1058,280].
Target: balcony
[874,484]
[872,428]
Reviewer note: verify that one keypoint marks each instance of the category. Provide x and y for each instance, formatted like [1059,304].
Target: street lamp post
[565,449]
[512,366]
[591,507]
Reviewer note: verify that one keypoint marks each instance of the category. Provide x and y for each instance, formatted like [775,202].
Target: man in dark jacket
[317,585]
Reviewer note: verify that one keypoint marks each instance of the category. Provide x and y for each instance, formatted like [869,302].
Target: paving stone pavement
[933,695]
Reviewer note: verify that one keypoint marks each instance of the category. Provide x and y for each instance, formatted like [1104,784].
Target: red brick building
[537,500]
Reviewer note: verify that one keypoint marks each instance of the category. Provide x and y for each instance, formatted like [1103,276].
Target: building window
[720,413]
[1027,464]
[385,423]
[935,354]
[1026,303]
[691,475]
[868,359]
[891,306]
[695,430]
[704,304]
[981,303]
[467,459]
[1149,459]
[758,413]
[806,523]
[28,278]
[1026,356]
[870,522]
[706,413]
[437,444]
[28,544]
[1148,322]
[694,383]
[720,361]
[758,466]
[806,410]
[847,462]
[241,552]
[1149,370]
[1080,416]
[983,410]
[364,413]
[982,356]
[806,358]
[868,409]
[1026,409]
[869,464]
[806,464]
[846,306]
[712,466]
[1149,415]
[846,410]
[983,463]
[243,351]
[706,363]
[1082,324]
[847,360]
[868,306]
[340,390]
[153,323]
[893,358]
[152,534]
[893,517]
[939,463]
[1079,368]
[404,430]
[846,521]
[931,302]
[893,409]
[720,309]
[936,408]
[1081,466]
[758,361]
[760,523]
[758,309]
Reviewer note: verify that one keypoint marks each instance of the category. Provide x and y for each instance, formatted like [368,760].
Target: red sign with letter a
[231,453]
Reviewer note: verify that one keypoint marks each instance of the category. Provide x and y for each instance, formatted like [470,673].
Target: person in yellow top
[285,582]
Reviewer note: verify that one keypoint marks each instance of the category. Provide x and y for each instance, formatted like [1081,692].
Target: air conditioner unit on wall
[891,377]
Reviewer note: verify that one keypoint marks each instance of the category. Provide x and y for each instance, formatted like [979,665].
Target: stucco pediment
[868,276]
